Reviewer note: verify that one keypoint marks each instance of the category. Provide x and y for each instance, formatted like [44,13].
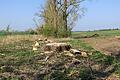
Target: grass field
[100,33]
[19,62]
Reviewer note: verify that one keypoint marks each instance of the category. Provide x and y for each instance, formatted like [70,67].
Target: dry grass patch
[17,38]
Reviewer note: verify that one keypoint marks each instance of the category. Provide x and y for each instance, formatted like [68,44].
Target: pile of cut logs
[51,46]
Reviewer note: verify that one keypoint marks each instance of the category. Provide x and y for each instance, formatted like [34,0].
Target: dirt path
[106,45]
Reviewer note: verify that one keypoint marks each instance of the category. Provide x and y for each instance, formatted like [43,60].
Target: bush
[62,33]
[48,31]
[51,31]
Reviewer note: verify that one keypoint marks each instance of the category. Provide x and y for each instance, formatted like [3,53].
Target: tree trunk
[65,17]
[55,17]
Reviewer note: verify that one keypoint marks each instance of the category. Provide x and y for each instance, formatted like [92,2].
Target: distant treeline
[107,29]
[98,30]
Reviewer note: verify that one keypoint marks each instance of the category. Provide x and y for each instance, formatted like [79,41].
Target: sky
[99,14]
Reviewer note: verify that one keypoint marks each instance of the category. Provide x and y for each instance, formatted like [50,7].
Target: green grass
[5,33]
[97,56]
[79,44]
[108,33]
[20,56]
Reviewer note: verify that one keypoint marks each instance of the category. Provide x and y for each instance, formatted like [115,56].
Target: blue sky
[100,14]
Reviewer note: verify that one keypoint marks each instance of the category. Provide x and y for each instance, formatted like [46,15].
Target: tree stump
[57,47]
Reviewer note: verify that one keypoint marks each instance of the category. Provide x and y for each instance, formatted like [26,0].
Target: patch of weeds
[116,63]
[85,74]
[118,69]
[58,75]
[81,45]
[97,55]
[82,73]
[23,53]
[108,60]
[11,78]
[102,58]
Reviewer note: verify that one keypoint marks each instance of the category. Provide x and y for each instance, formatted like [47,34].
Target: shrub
[48,31]
[51,31]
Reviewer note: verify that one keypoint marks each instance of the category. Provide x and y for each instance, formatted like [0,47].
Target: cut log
[58,47]
[48,41]
[84,54]
[35,48]
[74,51]
[40,39]
[37,44]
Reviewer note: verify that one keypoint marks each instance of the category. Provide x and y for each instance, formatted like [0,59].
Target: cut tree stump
[58,47]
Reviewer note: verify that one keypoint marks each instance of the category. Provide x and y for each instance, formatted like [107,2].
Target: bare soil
[109,45]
